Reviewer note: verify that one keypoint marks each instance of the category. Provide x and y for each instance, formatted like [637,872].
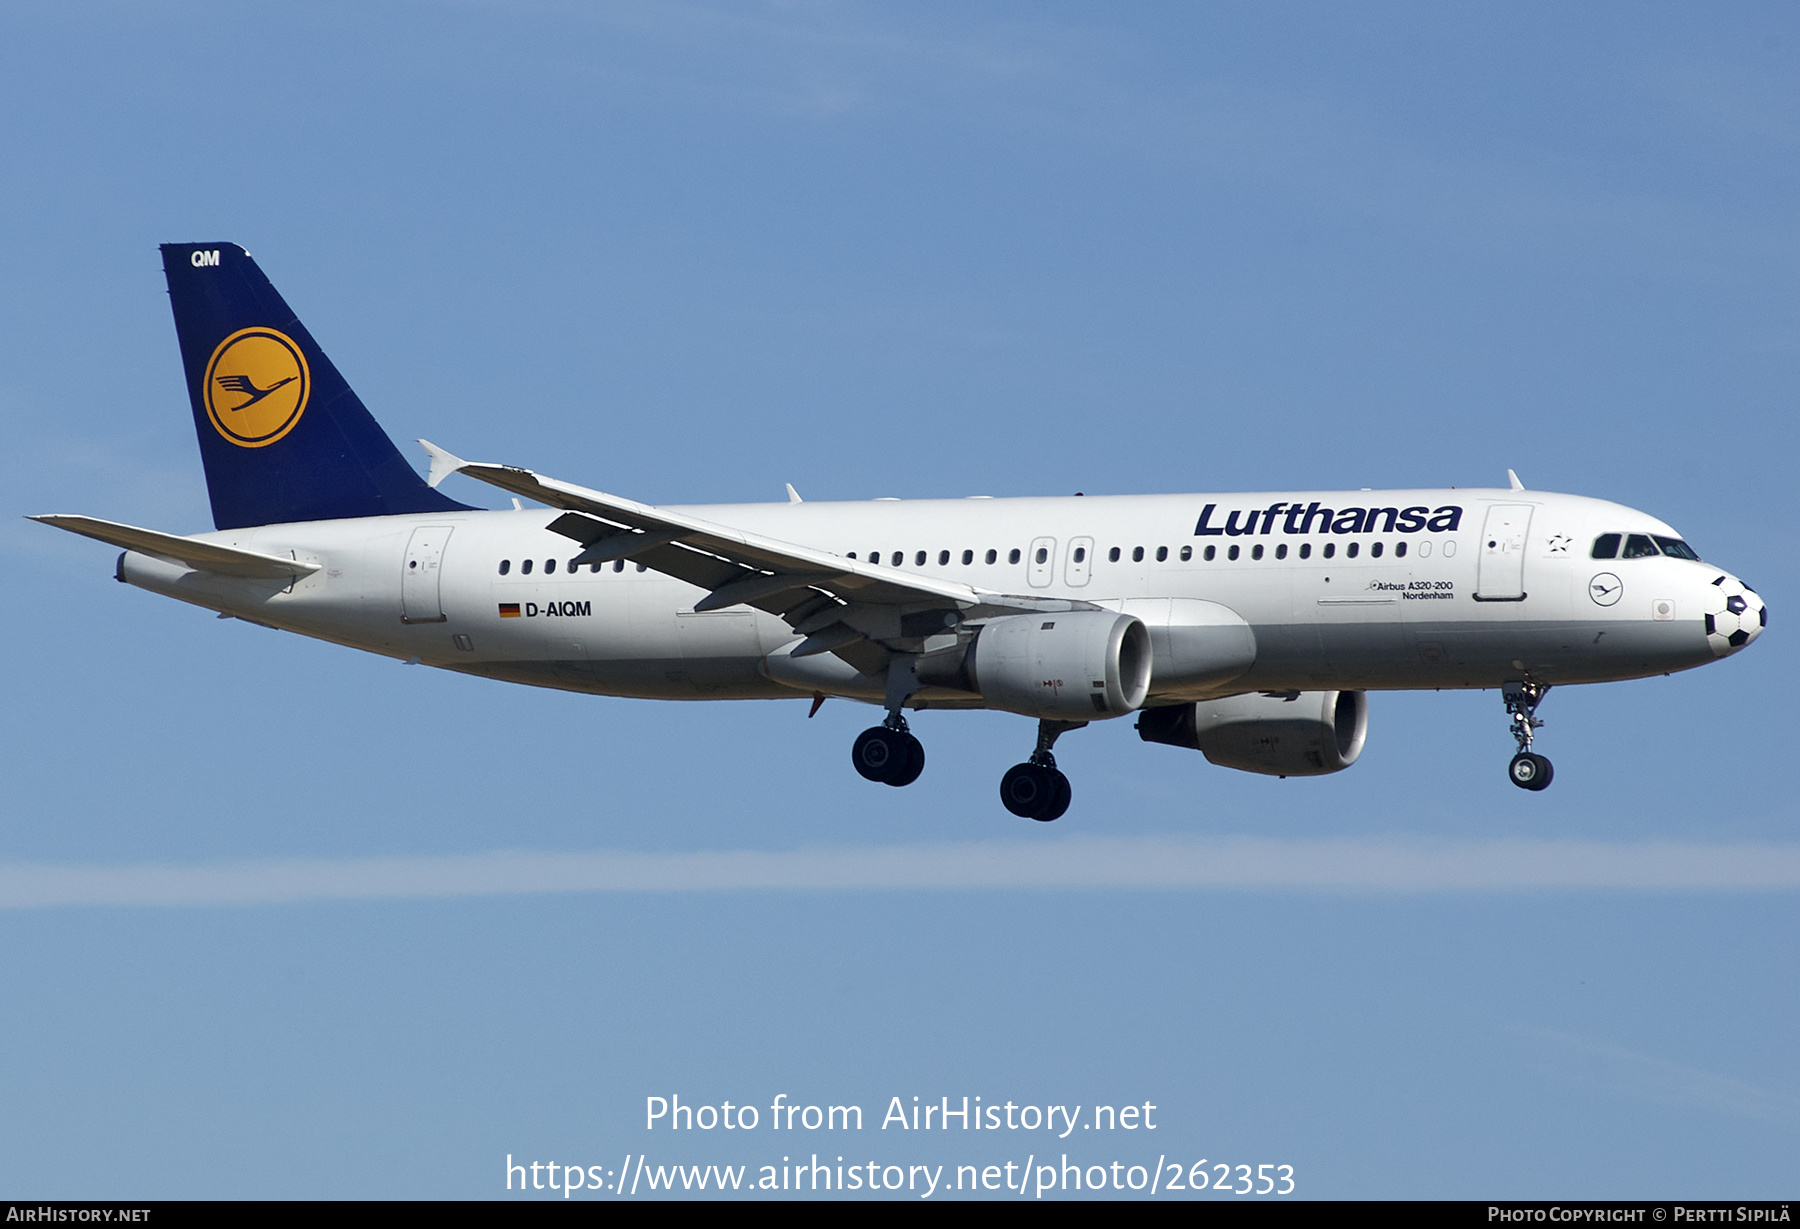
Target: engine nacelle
[1078,665]
[1303,734]
[1200,646]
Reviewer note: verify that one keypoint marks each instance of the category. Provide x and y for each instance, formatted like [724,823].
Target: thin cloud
[1244,864]
[1646,1077]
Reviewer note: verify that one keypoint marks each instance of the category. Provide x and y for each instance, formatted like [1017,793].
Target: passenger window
[1042,555]
[1330,549]
[1211,553]
[1399,550]
[968,557]
[1675,548]
[1137,554]
[919,560]
[1162,554]
[1606,546]
[618,565]
[1638,546]
[898,559]
[1187,552]
[1232,554]
[1113,555]
[1350,550]
[505,566]
[851,555]
[1375,551]
[1012,556]
[525,567]
[643,567]
[1281,551]
[1081,554]
[1256,551]
[992,555]
[1306,550]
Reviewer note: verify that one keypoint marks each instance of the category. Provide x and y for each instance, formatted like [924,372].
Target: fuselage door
[1081,557]
[1500,573]
[1041,562]
[420,574]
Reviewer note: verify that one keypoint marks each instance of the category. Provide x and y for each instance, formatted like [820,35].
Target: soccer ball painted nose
[1735,615]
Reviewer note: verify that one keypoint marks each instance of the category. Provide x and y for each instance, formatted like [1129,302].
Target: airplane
[1248,627]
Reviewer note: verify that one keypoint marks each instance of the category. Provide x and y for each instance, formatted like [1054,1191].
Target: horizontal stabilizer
[201,556]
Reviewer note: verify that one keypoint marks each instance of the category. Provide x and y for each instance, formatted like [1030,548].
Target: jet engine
[1082,665]
[1281,734]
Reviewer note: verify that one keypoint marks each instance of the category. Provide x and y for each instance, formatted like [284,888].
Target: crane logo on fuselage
[256,387]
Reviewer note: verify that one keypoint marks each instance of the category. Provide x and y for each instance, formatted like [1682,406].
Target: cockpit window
[1639,546]
[1606,546]
[1675,548]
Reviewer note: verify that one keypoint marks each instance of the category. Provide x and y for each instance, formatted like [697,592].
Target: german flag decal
[509,610]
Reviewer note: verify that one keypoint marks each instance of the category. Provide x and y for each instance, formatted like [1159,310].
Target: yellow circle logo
[256,387]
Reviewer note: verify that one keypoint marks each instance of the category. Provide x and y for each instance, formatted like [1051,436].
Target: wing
[860,610]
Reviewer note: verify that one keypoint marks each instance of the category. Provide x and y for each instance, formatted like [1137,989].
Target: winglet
[793,495]
[443,463]
[1510,477]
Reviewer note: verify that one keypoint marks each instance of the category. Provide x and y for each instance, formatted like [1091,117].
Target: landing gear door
[1500,573]
[1041,563]
[419,576]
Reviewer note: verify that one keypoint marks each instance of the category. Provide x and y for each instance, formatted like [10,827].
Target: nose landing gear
[1528,769]
[1036,789]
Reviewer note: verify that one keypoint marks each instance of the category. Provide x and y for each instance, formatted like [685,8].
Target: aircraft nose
[1735,614]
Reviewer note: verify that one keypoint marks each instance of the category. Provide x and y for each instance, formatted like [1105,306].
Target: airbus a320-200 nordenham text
[1248,627]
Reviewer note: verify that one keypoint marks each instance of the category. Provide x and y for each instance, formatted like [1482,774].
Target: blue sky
[263,935]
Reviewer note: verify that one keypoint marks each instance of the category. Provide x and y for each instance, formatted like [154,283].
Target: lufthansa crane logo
[257,384]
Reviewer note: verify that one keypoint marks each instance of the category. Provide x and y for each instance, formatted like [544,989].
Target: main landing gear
[888,753]
[1528,769]
[1035,789]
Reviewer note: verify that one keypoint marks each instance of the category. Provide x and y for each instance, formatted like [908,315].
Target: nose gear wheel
[1530,771]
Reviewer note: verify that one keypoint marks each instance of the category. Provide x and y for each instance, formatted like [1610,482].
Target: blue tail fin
[282,436]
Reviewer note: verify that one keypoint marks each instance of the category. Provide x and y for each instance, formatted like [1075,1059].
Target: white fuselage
[1409,597]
